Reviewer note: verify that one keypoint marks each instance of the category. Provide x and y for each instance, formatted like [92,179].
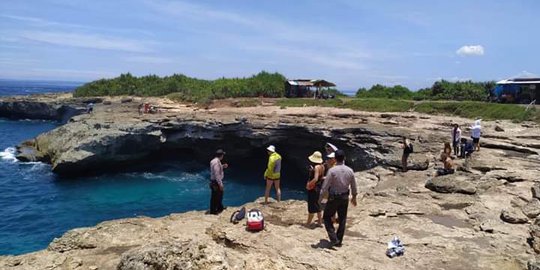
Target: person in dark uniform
[339,183]
[216,182]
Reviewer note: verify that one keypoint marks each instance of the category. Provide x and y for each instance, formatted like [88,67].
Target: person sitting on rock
[467,148]
[448,165]
[447,151]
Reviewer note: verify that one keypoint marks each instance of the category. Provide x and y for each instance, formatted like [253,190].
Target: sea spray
[8,154]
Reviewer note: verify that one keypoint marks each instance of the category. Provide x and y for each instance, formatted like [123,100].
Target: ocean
[36,206]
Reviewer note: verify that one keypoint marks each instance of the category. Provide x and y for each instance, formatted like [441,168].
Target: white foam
[8,154]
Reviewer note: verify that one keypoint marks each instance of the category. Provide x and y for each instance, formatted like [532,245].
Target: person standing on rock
[216,182]
[272,175]
[313,186]
[330,148]
[476,131]
[407,150]
[456,138]
[339,183]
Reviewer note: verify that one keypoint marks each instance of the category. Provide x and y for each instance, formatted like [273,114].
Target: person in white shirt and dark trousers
[339,183]
[216,182]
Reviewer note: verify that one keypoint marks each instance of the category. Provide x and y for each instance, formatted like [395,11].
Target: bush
[470,109]
[186,88]
[440,90]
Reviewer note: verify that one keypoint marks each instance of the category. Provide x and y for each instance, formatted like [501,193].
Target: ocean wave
[8,154]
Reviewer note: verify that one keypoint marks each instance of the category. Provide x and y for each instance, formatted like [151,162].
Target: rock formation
[458,221]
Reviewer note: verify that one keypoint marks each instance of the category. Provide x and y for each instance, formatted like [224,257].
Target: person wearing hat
[272,175]
[330,148]
[313,186]
[216,182]
[476,131]
[339,183]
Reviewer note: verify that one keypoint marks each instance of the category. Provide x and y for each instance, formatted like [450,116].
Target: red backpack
[255,220]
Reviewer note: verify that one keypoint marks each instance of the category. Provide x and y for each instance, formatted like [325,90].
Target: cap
[271,148]
[331,155]
[220,152]
[332,146]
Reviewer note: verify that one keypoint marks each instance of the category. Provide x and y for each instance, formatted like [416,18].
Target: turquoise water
[36,206]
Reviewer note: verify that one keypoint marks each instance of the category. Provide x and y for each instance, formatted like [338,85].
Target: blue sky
[353,43]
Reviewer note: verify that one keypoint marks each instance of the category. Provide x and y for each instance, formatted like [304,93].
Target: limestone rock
[513,216]
[533,265]
[532,209]
[534,231]
[535,189]
[448,184]
[510,176]
[174,255]
[73,240]
[487,226]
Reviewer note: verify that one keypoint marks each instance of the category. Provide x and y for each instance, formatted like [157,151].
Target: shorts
[270,179]
[475,140]
[314,206]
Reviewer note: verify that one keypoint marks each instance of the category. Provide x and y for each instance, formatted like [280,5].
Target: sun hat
[332,146]
[271,148]
[331,155]
[316,157]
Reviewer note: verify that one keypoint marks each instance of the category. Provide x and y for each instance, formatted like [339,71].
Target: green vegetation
[181,87]
[372,105]
[471,109]
[440,90]
[381,91]
[468,109]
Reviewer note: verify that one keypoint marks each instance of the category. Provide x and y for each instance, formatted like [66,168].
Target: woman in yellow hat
[313,186]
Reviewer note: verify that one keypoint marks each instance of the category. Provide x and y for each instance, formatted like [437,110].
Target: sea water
[36,206]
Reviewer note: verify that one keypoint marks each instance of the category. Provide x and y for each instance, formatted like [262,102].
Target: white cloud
[90,41]
[269,34]
[468,50]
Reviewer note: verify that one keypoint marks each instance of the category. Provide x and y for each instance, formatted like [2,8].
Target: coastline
[449,230]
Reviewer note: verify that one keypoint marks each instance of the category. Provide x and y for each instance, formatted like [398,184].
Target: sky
[352,43]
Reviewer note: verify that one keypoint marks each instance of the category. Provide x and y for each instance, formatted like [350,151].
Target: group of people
[461,148]
[328,187]
[146,108]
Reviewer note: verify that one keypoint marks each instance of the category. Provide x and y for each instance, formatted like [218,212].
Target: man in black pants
[216,182]
[339,183]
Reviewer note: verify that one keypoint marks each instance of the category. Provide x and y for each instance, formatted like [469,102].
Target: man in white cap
[330,148]
[272,175]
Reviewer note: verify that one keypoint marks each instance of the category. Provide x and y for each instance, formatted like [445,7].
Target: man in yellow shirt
[272,175]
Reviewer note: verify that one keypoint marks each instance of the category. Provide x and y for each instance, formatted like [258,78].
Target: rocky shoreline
[482,217]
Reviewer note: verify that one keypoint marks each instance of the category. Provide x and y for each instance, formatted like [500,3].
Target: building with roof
[306,87]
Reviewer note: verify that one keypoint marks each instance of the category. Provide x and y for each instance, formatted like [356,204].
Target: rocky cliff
[485,216]
[55,107]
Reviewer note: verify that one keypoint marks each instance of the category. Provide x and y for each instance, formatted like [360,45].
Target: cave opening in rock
[249,155]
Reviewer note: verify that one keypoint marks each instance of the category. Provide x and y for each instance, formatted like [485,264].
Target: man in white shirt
[216,182]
